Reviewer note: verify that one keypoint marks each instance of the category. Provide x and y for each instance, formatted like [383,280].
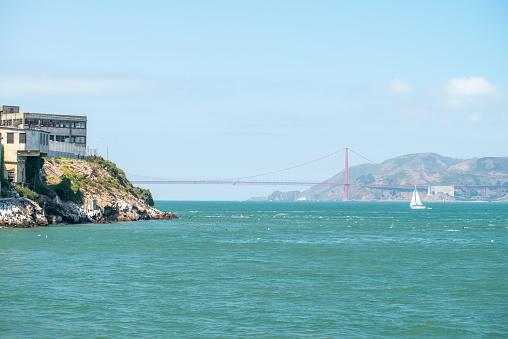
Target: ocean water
[263,270]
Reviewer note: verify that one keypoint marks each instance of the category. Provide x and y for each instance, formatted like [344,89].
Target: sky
[222,89]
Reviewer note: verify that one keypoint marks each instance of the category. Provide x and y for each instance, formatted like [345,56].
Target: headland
[77,191]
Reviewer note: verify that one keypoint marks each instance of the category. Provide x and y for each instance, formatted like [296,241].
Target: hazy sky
[220,89]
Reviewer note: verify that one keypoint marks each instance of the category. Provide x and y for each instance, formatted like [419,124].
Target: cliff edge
[77,191]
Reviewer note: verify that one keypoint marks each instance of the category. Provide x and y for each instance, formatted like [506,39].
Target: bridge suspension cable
[241,180]
[289,168]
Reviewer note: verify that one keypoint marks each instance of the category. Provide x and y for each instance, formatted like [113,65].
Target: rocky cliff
[78,191]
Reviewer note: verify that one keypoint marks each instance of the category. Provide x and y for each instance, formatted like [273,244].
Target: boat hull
[418,207]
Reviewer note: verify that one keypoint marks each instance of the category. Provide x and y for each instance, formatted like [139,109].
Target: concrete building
[39,135]
[450,190]
[61,128]
[8,109]
[19,144]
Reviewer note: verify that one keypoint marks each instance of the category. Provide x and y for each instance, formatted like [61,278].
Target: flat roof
[47,115]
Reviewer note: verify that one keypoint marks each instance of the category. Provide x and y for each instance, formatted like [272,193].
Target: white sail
[416,203]
[413,199]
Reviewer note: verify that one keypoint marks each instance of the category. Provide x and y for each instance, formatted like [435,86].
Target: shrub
[6,188]
[114,171]
[144,195]
[26,193]
[68,191]
[44,189]
[119,180]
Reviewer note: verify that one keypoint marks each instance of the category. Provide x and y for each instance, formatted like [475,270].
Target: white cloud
[475,86]
[395,86]
[462,92]
[20,85]
[399,86]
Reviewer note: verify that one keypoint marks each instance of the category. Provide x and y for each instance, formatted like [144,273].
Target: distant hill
[423,169]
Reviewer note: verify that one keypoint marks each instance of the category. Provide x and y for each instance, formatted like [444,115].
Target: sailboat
[416,203]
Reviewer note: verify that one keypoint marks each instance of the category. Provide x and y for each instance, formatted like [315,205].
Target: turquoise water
[263,270]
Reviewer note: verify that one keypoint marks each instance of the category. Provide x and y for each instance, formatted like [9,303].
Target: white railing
[69,150]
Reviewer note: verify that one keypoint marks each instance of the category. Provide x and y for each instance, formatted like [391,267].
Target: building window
[62,123]
[51,138]
[30,123]
[78,140]
[10,138]
[22,138]
[80,124]
[62,138]
[10,175]
[47,123]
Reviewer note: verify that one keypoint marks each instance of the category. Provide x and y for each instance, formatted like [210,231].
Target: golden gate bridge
[250,180]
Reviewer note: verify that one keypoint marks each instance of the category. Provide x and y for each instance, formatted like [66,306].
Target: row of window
[43,139]
[11,122]
[44,123]
[55,123]
[66,138]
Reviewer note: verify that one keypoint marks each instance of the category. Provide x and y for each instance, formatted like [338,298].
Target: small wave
[452,230]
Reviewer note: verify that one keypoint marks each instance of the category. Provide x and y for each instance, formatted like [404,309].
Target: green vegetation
[33,166]
[6,185]
[119,181]
[2,163]
[5,188]
[365,179]
[114,171]
[68,189]
[26,192]
[71,184]
[144,195]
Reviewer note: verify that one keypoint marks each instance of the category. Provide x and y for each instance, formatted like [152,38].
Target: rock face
[21,212]
[100,194]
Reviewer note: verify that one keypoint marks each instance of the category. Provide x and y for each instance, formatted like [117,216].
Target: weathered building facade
[61,128]
[38,135]
[19,144]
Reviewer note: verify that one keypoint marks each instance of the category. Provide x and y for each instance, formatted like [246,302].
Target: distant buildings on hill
[26,135]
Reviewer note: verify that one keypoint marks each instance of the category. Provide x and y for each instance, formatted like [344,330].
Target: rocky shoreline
[24,213]
[103,198]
